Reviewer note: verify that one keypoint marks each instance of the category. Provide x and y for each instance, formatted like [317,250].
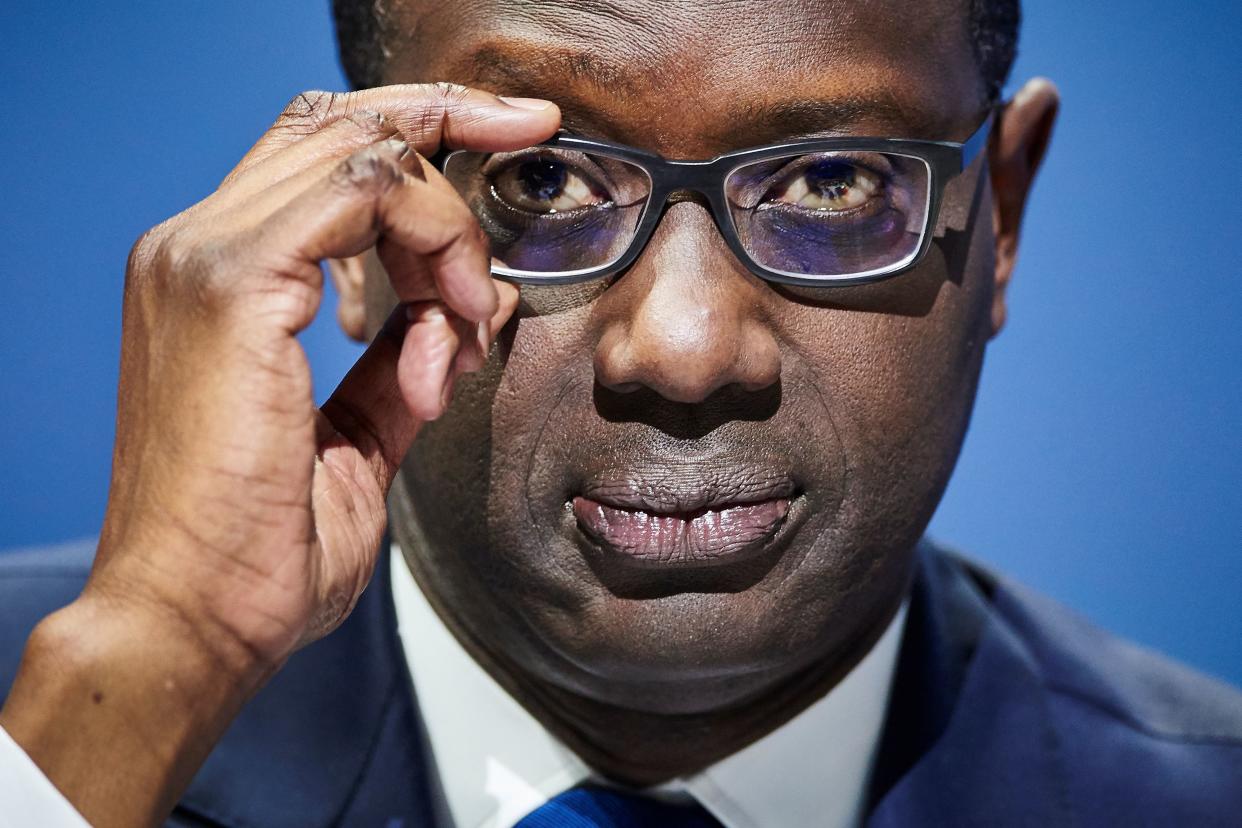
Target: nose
[687,319]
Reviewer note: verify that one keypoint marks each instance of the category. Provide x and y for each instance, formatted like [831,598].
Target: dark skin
[243,523]
[676,365]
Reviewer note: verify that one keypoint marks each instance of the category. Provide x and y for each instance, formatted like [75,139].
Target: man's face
[674,489]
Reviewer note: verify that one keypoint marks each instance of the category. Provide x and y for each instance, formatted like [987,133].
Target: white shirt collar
[496,763]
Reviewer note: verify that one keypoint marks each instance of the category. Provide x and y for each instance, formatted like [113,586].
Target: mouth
[658,527]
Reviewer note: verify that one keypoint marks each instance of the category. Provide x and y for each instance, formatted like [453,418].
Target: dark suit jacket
[1008,710]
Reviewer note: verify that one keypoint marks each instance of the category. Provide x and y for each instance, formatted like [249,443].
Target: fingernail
[529,103]
[483,338]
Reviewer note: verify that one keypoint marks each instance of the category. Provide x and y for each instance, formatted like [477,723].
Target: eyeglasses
[830,211]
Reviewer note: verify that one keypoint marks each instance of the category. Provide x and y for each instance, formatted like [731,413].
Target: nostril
[688,421]
[615,367]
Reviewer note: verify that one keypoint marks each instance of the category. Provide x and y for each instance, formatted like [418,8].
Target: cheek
[546,360]
[903,382]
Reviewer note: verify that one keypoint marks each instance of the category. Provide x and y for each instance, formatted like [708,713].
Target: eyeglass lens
[830,214]
[549,211]
[555,212]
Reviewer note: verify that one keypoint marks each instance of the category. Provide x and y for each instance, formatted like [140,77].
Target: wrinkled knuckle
[442,98]
[370,124]
[428,123]
[309,110]
[308,105]
[447,93]
[373,170]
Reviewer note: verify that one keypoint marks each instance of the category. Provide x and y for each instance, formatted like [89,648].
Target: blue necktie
[590,806]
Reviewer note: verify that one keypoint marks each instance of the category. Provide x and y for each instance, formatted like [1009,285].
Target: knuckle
[442,98]
[309,110]
[184,263]
[371,125]
[143,252]
[373,169]
[448,93]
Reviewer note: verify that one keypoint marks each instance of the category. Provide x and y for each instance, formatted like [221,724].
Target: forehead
[692,78]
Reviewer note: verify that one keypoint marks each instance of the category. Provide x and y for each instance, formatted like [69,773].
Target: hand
[235,505]
[243,522]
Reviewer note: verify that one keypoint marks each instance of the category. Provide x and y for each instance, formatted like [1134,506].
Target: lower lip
[705,538]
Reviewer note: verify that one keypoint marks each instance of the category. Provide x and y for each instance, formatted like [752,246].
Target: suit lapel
[969,740]
[307,750]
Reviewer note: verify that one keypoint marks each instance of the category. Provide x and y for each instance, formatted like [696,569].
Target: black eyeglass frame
[945,160]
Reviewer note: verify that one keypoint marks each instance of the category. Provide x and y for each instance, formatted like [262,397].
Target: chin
[683,638]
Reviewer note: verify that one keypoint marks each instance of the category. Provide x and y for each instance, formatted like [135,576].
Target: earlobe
[348,276]
[1018,145]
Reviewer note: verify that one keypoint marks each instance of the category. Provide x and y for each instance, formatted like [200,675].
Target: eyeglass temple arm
[976,143]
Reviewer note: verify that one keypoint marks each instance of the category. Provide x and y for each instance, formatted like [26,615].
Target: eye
[830,185]
[544,184]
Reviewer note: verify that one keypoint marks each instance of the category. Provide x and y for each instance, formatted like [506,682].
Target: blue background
[1103,463]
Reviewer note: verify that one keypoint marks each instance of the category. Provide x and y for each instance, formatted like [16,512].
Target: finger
[448,273]
[401,380]
[256,195]
[471,355]
[428,116]
[367,410]
[412,275]
[508,296]
[409,273]
[346,135]
[477,341]
[424,373]
[385,191]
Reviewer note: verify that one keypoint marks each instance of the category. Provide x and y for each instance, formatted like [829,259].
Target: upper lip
[673,491]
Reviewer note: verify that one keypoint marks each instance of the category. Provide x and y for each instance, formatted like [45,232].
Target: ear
[348,275]
[1018,143]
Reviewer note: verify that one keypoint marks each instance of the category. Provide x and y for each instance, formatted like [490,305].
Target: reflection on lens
[831,214]
[552,212]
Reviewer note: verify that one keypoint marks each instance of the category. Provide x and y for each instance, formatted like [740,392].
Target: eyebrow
[519,67]
[879,112]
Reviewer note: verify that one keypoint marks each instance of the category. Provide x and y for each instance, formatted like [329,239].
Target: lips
[663,526]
